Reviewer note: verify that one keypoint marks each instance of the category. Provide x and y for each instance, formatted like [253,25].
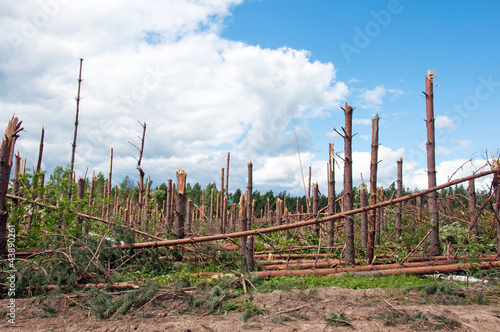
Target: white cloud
[365,122]
[443,121]
[163,63]
[374,98]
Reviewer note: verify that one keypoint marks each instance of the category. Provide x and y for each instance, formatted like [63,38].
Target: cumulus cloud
[373,98]
[165,64]
[443,121]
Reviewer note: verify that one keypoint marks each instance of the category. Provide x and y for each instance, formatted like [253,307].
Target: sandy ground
[366,310]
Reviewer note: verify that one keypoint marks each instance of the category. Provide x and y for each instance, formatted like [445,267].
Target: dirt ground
[365,310]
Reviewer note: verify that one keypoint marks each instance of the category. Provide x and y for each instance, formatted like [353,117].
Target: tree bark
[370,246]
[315,208]
[431,166]
[250,243]
[364,218]
[399,206]
[6,156]
[331,196]
[242,220]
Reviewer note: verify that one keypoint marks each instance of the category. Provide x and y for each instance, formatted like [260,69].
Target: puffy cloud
[165,64]
[373,98]
[443,121]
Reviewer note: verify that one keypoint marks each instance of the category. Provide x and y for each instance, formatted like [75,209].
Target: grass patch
[417,320]
[344,281]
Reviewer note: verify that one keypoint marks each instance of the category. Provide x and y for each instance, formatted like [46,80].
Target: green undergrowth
[344,281]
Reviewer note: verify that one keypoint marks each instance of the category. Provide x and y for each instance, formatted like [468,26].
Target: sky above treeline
[260,79]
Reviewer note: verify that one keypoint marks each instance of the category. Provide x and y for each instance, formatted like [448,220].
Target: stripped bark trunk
[180,204]
[212,207]
[139,168]
[399,206]
[6,156]
[370,246]
[435,248]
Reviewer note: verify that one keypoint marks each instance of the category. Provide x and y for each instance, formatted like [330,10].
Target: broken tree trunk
[40,152]
[348,193]
[6,156]
[73,146]
[250,242]
[331,196]
[431,165]
[399,206]
[370,246]
[180,204]
[168,214]
[221,213]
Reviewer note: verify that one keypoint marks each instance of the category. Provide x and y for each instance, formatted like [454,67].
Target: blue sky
[217,76]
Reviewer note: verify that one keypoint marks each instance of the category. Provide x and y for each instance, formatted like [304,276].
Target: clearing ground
[294,310]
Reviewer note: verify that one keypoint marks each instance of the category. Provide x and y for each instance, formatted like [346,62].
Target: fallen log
[113,286]
[401,269]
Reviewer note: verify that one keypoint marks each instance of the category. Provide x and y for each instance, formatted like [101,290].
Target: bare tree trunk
[399,206]
[40,151]
[6,156]
[378,217]
[278,211]
[348,194]
[17,170]
[315,208]
[73,151]
[180,204]
[212,207]
[309,192]
[226,221]
[370,246]
[168,214]
[364,219]
[221,199]
[431,166]
[139,168]
[331,195]
[495,185]
[249,261]
[243,225]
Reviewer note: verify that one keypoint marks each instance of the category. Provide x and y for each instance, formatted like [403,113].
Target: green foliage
[345,281]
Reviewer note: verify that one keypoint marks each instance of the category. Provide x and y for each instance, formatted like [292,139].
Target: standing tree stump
[180,204]
[6,156]
[431,165]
